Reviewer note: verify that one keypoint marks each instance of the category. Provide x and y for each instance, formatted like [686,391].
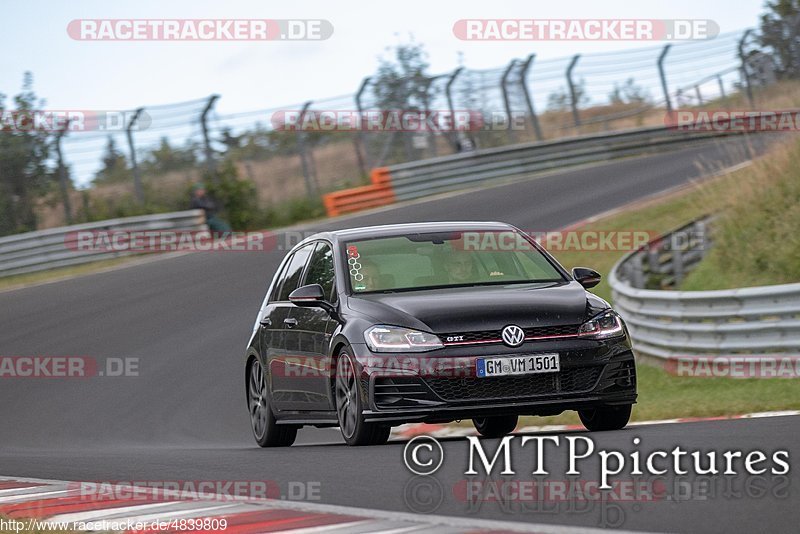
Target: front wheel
[607,418]
[266,430]
[495,427]
[349,407]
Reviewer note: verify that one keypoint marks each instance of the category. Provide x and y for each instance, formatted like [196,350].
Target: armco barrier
[377,194]
[417,179]
[51,248]
[753,324]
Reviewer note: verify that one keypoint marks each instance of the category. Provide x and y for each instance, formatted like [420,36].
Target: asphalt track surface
[188,318]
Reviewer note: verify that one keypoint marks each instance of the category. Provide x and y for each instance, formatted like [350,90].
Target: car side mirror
[310,296]
[586,277]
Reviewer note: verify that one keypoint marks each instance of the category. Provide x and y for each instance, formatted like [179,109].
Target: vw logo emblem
[513,336]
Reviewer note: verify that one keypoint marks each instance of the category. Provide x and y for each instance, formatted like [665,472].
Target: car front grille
[570,380]
[493,336]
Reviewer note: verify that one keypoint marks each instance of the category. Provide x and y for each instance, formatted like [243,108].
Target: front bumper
[441,386]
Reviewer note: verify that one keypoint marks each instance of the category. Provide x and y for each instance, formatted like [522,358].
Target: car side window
[320,269]
[279,281]
[294,271]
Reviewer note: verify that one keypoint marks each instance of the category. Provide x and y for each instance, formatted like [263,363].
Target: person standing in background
[201,200]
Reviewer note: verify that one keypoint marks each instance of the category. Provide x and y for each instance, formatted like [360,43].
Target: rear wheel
[349,407]
[495,427]
[607,418]
[266,430]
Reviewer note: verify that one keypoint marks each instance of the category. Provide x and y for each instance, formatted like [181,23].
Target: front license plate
[517,365]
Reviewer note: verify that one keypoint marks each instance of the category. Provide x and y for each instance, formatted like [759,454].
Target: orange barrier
[378,193]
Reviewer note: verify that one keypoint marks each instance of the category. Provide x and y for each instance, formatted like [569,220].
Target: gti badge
[513,336]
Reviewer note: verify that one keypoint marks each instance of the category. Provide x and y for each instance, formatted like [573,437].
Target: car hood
[481,308]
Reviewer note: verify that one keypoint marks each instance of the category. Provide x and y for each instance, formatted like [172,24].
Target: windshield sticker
[355,268]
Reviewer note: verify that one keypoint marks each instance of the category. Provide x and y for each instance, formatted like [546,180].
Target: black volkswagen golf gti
[369,328]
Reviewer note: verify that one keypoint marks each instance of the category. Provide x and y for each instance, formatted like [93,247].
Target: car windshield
[433,260]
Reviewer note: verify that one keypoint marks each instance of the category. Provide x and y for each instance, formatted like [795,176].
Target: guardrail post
[745,74]
[506,102]
[62,175]
[663,76]
[448,90]
[137,179]
[362,153]
[721,86]
[572,93]
[301,145]
[677,260]
[210,163]
[528,99]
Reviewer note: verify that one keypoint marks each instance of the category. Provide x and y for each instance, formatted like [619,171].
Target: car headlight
[604,326]
[397,339]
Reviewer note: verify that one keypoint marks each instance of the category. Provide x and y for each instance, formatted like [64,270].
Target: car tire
[266,430]
[606,418]
[495,427]
[350,406]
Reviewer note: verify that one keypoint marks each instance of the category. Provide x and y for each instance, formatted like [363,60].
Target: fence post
[528,99]
[699,94]
[663,76]
[137,179]
[362,152]
[62,175]
[210,163]
[506,103]
[745,74]
[448,92]
[573,96]
[721,86]
[426,102]
[301,145]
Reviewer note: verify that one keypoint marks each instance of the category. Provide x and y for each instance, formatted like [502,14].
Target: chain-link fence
[161,150]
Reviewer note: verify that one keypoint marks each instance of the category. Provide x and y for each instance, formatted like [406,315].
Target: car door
[278,333]
[308,341]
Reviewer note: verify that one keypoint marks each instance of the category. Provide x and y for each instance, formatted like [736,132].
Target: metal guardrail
[56,247]
[418,179]
[760,323]
[467,169]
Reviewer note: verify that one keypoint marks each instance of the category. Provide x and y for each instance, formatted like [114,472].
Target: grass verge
[756,241]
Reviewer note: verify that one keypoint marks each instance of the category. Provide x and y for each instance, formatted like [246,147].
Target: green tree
[25,173]
[561,100]
[401,81]
[167,158]
[629,93]
[780,32]
[115,166]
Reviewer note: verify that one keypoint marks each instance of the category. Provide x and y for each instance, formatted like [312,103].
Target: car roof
[388,230]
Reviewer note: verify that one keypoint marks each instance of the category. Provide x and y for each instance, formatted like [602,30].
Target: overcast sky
[255,75]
